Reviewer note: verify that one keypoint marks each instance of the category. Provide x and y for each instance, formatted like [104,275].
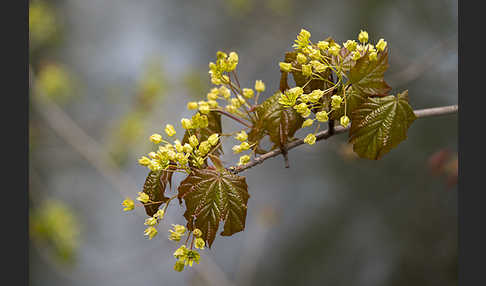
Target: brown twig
[436,111]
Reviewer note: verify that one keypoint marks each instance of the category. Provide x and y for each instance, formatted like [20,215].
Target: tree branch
[436,111]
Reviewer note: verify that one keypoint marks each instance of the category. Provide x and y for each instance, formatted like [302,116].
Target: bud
[356,55]
[310,139]
[179,266]
[242,136]
[285,67]
[381,45]
[144,161]
[307,123]
[344,121]
[186,123]
[128,204]
[350,45]
[197,232]
[199,243]
[156,138]
[244,146]
[373,56]
[187,148]
[363,36]
[150,232]
[213,139]
[322,116]
[225,92]
[151,221]
[143,197]
[192,105]
[259,86]
[244,159]
[306,70]
[193,141]
[323,45]
[334,50]
[301,58]
[248,92]
[169,130]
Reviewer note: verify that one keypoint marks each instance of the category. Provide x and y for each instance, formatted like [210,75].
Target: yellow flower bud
[150,232]
[179,228]
[350,45]
[381,45]
[373,56]
[156,138]
[186,123]
[306,70]
[204,108]
[179,266]
[151,221]
[231,108]
[259,86]
[199,243]
[315,95]
[225,92]
[213,104]
[336,101]
[144,161]
[197,232]
[306,113]
[310,139]
[236,149]
[322,116]
[334,50]
[159,214]
[187,148]
[213,139]
[285,67]
[143,197]
[356,55]
[307,123]
[244,146]
[192,105]
[242,136]
[128,204]
[243,160]
[248,92]
[169,130]
[193,141]
[301,58]
[344,121]
[363,36]
[323,45]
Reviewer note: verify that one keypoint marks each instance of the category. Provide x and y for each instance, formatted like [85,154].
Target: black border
[14,23]
[472,191]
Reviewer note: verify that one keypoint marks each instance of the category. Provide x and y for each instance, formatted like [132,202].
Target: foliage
[332,82]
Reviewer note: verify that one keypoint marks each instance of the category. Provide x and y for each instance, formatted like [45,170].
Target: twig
[233,117]
[436,111]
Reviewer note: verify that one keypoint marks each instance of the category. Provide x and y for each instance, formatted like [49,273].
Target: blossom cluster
[312,60]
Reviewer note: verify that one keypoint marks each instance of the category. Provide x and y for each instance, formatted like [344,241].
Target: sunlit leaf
[380,124]
[154,187]
[212,196]
[367,76]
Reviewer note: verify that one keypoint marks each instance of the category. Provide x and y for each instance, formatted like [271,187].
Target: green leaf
[380,124]
[212,196]
[353,100]
[202,134]
[278,122]
[367,76]
[154,187]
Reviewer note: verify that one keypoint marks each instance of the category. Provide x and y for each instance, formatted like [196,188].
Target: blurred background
[108,74]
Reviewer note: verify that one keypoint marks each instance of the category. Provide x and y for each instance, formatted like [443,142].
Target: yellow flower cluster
[311,61]
[184,255]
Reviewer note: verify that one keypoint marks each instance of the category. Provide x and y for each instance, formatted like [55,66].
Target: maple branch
[435,111]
